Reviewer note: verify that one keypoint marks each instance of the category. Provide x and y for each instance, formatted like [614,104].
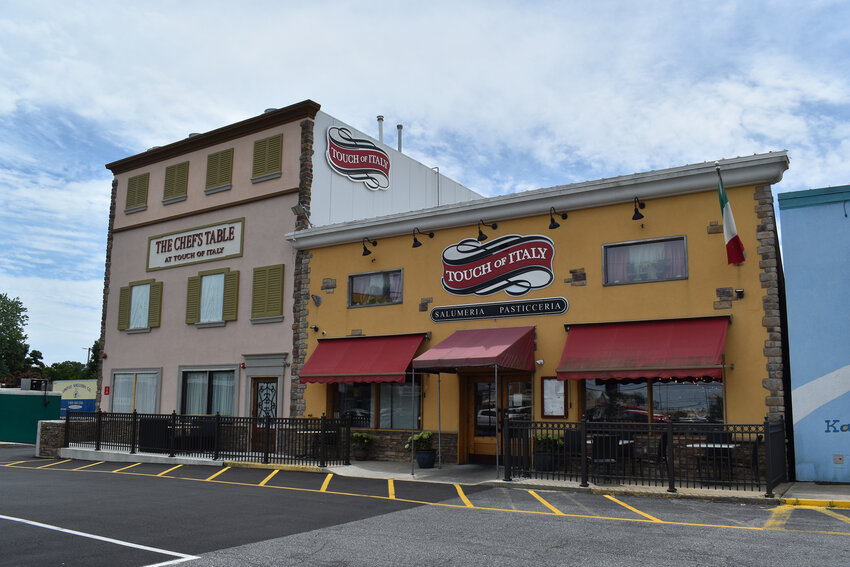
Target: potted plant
[361,443]
[546,447]
[425,453]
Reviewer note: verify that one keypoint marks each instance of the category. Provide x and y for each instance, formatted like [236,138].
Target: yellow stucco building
[446,319]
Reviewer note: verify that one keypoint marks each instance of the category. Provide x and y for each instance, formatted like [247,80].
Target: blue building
[816,258]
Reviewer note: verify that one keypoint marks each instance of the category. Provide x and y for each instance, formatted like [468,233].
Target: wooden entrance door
[484,414]
[263,404]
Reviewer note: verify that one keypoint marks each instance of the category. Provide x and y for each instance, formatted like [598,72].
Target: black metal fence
[671,454]
[317,441]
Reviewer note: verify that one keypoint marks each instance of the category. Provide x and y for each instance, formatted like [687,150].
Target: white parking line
[181,557]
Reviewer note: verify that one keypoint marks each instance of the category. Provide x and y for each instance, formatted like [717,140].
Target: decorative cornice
[759,169]
[270,119]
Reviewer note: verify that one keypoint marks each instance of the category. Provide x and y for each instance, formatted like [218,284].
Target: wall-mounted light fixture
[552,223]
[315,328]
[739,293]
[638,205]
[366,251]
[299,210]
[416,243]
[481,236]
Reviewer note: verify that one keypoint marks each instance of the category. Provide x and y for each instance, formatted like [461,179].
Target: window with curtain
[207,392]
[140,297]
[377,288]
[138,391]
[212,297]
[140,306]
[648,261]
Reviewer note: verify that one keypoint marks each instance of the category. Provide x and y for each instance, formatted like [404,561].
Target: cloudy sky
[502,96]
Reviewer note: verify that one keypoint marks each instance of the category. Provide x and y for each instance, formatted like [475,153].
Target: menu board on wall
[554,398]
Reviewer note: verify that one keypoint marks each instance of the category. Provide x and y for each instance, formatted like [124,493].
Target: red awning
[508,347]
[361,359]
[676,348]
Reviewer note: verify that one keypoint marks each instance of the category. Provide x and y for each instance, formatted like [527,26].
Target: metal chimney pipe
[399,137]
[381,128]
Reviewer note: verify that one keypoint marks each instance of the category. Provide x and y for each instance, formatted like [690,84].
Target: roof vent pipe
[381,128]
[399,137]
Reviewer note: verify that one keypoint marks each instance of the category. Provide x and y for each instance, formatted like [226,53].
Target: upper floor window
[645,261]
[211,298]
[376,288]
[268,158]
[176,183]
[219,171]
[140,306]
[137,193]
[267,294]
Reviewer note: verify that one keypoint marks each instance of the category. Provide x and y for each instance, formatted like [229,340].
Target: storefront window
[615,401]
[135,391]
[683,401]
[207,392]
[378,288]
[355,401]
[399,406]
[648,261]
[696,402]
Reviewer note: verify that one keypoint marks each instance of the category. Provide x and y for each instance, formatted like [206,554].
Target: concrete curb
[815,503]
[270,466]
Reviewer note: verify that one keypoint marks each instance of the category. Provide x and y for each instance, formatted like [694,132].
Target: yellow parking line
[128,467]
[225,469]
[53,463]
[89,465]
[391,489]
[163,473]
[17,463]
[463,496]
[778,517]
[326,483]
[833,514]
[268,478]
[632,508]
[542,501]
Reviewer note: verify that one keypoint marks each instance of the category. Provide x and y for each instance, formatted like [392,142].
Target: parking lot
[74,512]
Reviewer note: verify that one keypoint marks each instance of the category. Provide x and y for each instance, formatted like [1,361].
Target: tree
[35,361]
[13,348]
[94,358]
[68,370]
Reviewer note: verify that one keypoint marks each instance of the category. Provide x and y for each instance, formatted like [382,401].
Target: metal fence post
[347,439]
[507,436]
[67,428]
[768,457]
[268,428]
[583,443]
[99,424]
[323,445]
[133,419]
[172,433]
[671,485]
[216,436]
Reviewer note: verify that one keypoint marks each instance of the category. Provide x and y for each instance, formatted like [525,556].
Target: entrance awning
[676,348]
[508,347]
[361,359]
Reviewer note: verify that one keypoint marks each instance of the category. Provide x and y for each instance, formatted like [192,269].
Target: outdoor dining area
[673,454]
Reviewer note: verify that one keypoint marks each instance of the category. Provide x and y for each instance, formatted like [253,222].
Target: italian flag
[734,247]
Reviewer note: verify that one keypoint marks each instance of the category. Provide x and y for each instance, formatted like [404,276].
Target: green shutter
[268,156]
[155,305]
[176,180]
[258,295]
[124,308]
[231,296]
[137,191]
[267,296]
[193,300]
[219,168]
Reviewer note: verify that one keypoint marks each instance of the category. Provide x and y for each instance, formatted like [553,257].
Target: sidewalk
[796,493]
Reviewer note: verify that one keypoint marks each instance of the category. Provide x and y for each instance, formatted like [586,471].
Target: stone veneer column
[106,275]
[301,292]
[773,285]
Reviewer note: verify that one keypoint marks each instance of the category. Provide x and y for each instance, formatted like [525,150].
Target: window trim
[157,371]
[193,287]
[237,382]
[605,247]
[125,306]
[361,274]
